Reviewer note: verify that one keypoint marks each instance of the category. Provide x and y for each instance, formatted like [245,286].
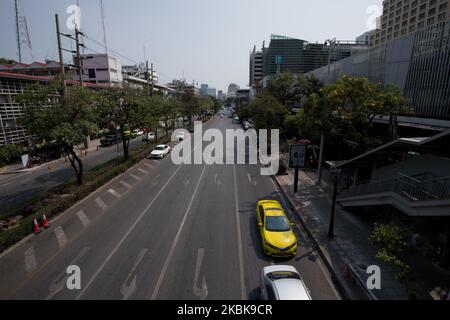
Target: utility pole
[18,31]
[78,33]
[61,62]
[80,63]
[322,134]
[152,81]
[147,78]
[333,208]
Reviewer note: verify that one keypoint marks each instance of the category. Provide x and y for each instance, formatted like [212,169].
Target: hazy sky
[206,40]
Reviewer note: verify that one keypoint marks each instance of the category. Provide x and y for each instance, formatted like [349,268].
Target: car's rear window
[277,275]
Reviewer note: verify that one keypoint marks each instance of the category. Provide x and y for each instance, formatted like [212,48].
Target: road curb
[334,277]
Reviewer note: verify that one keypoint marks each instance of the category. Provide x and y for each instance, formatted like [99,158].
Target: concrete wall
[435,165]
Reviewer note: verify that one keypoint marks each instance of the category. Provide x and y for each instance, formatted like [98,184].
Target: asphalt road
[17,188]
[160,231]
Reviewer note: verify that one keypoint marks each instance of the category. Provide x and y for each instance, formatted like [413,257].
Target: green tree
[394,248]
[291,89]
[67,119]
[267,112]
[151,113]
[7,61]
[189,104]
[121,110]
[354,103]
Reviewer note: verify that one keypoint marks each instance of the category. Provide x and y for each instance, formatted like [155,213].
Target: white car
[180,136]
[138,132]
[150,136]
[280,282]
[160,152]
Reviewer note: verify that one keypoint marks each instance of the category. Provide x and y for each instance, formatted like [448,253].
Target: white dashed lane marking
[83,218]
[101,204]
[30,260]
[143,171]
[60,236]
[126,185]
[135,177]
[114,193]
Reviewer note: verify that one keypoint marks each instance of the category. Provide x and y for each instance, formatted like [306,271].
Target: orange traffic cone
[36,228]
[45,223]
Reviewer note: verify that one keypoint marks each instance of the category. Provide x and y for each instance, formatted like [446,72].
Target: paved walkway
[350,252]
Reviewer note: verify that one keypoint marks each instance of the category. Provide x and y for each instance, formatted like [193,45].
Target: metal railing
[408,187]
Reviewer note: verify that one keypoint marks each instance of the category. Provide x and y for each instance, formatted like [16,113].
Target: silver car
[280,282]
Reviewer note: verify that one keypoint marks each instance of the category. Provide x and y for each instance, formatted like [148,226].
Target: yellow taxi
[278,238]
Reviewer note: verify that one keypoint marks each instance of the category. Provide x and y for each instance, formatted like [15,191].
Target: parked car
[138,132]
[160,152]
[279,282]
[278,238]
[129,134]
[110,140]
[149,136]
[180,136]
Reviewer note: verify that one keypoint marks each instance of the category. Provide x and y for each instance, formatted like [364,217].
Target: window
[261,213]
[277,224]
[91,73]
[270,293]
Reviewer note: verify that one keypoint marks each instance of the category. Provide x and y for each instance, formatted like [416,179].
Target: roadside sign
[297,156]
[278,59]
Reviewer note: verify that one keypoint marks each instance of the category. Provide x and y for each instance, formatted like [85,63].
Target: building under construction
[298,56]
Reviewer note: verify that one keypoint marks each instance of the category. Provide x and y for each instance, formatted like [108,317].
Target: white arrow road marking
[143,171]
[60,282]
[202,292]
[127,290]
[133,226]
[114,193]
[250,179]
[30,260]
[135,177]
[175,240]
[60,236]
[155,182]
[101,204]
[83,218]
[216,180]
[186,183]
[126,185]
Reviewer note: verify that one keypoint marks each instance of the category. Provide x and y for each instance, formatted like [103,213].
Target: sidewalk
[350,252]
[18,167]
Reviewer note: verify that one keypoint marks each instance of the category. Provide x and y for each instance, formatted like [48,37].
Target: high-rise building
[204,89]
[211,92]
[363,39]
[402,17]
[418,63]
[256,67]
[232,90]
[298,56]
[220,95]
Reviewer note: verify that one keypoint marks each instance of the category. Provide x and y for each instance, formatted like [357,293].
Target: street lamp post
[322,134]
[333,208]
